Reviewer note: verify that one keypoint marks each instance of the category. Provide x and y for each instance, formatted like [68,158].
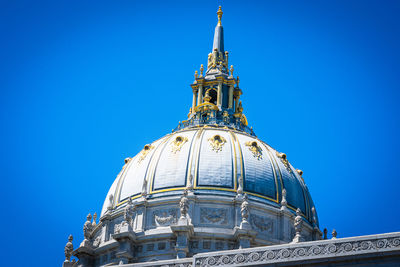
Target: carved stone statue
[110,202]
[209,62]
[144,188]
[244,209]
[184,204]
[298,225]
[87,227]
[284,201]
[94,219]
[129,212]
[69,247]
[334,234]
[314,216]
[240,186]
[190,183]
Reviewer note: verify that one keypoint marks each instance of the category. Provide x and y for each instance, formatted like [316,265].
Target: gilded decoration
[243,120]
[217,142]
[146,149]
[284,160]
[178,143]
[211,61]
[255,149]
[213,215]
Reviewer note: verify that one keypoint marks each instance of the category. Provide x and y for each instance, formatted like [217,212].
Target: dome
[215,161]
[209,185]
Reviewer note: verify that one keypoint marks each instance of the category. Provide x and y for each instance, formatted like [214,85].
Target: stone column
[230,96]
[237,97]
[219,97]
[194,99]
[200,95]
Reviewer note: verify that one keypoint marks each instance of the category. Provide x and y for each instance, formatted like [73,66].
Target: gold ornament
[217,142]
[255,149]
[219,14]
[284,160]
[146,149]
[177,144]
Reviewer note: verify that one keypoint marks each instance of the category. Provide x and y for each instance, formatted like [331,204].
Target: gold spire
[219,13]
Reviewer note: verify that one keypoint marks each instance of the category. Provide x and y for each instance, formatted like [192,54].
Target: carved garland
[213,215]
[164,217]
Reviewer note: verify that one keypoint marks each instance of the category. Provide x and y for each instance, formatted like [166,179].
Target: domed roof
[211,160]
[209,185]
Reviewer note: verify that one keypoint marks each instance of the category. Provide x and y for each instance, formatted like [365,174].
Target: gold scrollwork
[255,149]
[178,143]
[284,160]
[243,120]
[217,142]
[146,149]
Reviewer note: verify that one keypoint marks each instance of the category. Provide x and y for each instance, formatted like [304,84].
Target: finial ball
[219,13]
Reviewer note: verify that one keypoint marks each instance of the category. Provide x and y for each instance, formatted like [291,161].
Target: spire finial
[219,13]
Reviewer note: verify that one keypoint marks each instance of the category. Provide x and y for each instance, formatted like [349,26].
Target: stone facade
[373,250]
[156,230]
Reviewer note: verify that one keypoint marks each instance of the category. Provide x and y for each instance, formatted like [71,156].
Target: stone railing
[322,249]
[186,262]
[214,122]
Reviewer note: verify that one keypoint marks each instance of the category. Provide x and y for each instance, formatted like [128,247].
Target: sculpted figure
[314,216]
[110,202]
[128,212]
[244,208]
[69,247]
[87,227]
[209,60]
[94,219]
[284,201]
[144,188]
[240,186]
[190,184]
[298,224]
[184,204]
[334,234]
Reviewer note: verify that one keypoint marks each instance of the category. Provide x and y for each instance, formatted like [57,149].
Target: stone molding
[302,251]
[187,262]
[290,254]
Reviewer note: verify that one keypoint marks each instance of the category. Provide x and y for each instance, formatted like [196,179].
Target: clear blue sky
[85,84]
